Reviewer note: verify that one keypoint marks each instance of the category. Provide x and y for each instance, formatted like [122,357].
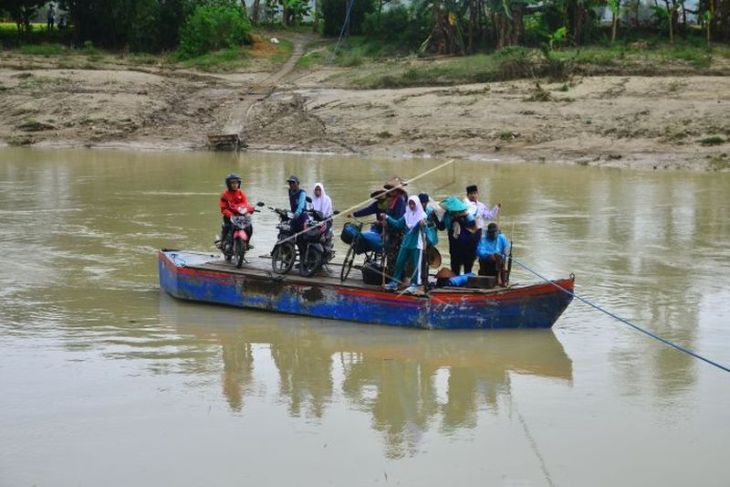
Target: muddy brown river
[105,380]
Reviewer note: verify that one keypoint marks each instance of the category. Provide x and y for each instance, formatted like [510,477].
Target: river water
[105,380]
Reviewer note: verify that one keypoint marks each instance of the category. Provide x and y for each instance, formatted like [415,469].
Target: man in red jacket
[233,202]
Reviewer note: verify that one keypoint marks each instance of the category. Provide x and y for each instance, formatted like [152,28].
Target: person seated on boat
[412,224]
[322,203]
[481,212]
[460,227]
[377,207]
[233,201]
[492,252]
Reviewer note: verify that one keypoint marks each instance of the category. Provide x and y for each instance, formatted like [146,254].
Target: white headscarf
[414,216]
[323,204]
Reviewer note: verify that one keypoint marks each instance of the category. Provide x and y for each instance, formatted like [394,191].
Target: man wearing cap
[297,203]
[492,252]
[479,210]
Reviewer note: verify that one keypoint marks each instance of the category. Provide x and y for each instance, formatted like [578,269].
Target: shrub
[213,27]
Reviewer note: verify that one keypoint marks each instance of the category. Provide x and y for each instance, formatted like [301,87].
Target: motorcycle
[284,253]
[236,243]
[315,242]
[318,244]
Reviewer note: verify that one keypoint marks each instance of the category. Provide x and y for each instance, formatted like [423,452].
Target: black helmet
[232,177]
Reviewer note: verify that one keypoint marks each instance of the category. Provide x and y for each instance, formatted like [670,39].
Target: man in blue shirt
[492,251]
[297,205]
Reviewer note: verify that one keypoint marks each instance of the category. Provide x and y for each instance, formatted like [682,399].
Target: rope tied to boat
[623,320]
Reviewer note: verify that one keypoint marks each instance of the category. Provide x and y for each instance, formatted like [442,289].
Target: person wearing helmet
[233,202]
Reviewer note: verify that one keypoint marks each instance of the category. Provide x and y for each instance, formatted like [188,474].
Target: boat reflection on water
[407,380]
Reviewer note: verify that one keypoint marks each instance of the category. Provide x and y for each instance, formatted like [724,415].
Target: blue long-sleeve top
[411,238]
[372,209]
[301,203]
[499,245]
[396,210]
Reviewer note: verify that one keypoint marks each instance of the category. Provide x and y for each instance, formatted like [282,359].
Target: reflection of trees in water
[406,381]
[670,226]
[237,372]
[304,367]
[466,387]
[400,395]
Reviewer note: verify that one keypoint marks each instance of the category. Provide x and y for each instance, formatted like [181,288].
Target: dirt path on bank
[648,122]
[237,119]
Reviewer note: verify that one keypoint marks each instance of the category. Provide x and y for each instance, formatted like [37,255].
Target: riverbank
[677,121]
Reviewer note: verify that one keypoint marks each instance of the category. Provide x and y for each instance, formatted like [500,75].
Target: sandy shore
[647,122]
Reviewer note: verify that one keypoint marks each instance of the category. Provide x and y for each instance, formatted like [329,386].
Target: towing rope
[623,320]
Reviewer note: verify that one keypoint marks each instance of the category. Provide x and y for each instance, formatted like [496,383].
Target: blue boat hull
[192,276]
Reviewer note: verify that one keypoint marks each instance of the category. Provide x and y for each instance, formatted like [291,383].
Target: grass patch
[719,163]
[144,59]
[225,60]
[713,140]
[20,140]
[34,126]
[510,63]
[43,50]
[650,57]
[283,51]
[539,94]
[311,58]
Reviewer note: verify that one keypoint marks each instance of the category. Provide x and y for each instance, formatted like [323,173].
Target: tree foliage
[213,27]
[334,13]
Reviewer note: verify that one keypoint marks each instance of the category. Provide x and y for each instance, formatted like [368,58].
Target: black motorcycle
[284,253]
[317,244]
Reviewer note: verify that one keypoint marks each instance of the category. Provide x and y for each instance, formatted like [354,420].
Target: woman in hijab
[412,224]
[322,203]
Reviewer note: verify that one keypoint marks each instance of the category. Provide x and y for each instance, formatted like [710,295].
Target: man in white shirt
[482,214]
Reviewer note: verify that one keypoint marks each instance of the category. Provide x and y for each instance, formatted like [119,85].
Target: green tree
[21,11]
[212,27]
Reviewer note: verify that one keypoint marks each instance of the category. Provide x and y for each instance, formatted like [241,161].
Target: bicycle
[371,245]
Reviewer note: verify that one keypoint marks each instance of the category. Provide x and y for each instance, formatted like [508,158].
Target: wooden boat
[206,278]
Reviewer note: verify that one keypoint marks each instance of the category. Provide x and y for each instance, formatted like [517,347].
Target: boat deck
[261,267]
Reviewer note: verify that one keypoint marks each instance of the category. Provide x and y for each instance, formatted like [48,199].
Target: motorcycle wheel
[311,262]
[283,257]
[239,251]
